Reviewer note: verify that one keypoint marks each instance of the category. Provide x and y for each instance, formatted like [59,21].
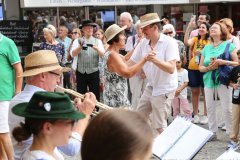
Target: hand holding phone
[193,18]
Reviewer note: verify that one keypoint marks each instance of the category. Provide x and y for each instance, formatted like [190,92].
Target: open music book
[180,140]
[231,154]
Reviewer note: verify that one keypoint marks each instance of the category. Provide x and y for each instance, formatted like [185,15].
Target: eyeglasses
[57,74]
[75,32]
[178,62]
[171,32]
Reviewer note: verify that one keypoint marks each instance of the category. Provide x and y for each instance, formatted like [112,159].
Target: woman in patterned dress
[52,44]
[116,71]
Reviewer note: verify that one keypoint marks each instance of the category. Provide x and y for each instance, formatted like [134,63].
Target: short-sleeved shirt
[166,50]
[182,78]
[234,75]
[209,52]
[198,45]
[8,57]
[41,155]
[235,41]
[66,42]
[194,33]
[131,42]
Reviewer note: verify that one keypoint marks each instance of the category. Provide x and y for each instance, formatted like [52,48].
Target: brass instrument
[76,94]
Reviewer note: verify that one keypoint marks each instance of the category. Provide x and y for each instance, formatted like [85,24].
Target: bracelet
[207,69]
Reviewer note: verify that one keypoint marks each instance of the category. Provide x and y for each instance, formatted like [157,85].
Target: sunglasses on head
[168,32]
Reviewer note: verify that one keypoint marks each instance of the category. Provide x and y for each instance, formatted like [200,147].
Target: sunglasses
[171,32]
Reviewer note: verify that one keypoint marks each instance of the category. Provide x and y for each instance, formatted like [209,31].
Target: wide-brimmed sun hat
[48,105]
[87,23]
[39,62]
[112,31]
[148,19]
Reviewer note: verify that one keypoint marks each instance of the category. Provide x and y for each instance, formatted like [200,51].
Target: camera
[84,48]
[90,45]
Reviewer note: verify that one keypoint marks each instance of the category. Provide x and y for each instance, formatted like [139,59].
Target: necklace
[215,45]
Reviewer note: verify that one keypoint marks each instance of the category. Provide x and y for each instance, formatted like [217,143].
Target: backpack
[224,70]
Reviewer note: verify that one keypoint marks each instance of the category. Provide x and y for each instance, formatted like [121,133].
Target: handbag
[224,70]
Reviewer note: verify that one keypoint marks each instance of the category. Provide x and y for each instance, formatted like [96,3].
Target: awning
[219,1]
[75,3]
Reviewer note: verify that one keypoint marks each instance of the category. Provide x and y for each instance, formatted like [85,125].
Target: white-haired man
[126,20]
[43,73]
[162,54]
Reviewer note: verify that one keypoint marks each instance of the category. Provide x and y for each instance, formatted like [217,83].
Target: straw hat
[48,105]
[113,30]
[148,19]
[39,62]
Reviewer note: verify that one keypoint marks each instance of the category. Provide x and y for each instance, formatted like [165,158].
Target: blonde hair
[78,31]
[50,29]
[229,24]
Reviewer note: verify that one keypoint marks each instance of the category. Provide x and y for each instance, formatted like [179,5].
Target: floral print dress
[58,49]
[115,93]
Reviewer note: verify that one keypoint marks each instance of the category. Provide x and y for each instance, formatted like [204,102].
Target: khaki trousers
[235,122]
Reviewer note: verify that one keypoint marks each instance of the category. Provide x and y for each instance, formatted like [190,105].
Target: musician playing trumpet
[43,72]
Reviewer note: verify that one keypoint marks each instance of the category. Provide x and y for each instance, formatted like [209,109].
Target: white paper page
[169,136]
[229,155]
[190,143]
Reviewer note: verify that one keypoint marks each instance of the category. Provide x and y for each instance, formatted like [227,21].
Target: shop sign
[74,3]
[19,31]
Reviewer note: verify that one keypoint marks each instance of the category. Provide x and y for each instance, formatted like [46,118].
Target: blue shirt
[66,42]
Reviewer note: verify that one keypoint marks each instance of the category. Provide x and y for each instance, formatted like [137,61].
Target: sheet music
[229,155]
[181,140]
[169,137]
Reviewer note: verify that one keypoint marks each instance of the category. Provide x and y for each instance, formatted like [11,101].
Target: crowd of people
[140,70]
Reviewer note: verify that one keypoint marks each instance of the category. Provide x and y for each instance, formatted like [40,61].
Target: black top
[234,75]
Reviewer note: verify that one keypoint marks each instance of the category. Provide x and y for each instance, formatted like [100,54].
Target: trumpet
[76,94]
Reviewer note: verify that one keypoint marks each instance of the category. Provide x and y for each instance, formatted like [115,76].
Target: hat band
[42,112]
[41,66]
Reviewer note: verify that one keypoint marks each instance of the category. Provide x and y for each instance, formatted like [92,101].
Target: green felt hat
[48,105]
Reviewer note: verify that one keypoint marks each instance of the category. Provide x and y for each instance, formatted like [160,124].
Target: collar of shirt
[29,87]
[60,40]
[161,38]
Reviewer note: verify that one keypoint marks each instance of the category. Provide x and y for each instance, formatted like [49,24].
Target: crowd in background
[140,66]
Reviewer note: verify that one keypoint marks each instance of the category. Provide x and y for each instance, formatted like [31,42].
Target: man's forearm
[76,51]
[166,66]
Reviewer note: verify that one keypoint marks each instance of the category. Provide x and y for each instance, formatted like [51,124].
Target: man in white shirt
[160,71]
[43,73]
